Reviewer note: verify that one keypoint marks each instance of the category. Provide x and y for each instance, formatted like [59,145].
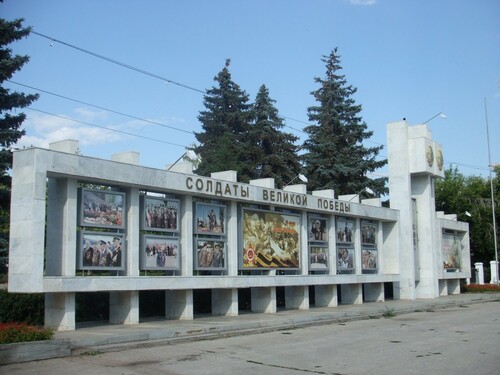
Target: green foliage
[477,288]
[10,124]
[224,141]
[277,153]
[388,313]
[335,156]
[20,332]
[458,194]
[18,307]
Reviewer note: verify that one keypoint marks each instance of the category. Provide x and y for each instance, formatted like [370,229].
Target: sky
[122,75]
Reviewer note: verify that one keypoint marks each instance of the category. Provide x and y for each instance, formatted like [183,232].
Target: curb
[141,337]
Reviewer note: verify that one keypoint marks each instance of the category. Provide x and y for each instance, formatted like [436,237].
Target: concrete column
[454,286]
[179,304]
[494,272]
[61,250]
[60,311]
[187,236]
[61,227]
[297,297]
[133,232]
[352,294]
[429,264]
[400,188]
[325,295]
[264,300]
[479,273]
[27,223]
[443,288]
[232,239]
[374,292]
[225,302]
[124,307]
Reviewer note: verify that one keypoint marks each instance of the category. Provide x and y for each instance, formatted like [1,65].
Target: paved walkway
[109,337]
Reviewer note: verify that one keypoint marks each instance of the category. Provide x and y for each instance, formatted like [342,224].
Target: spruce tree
[277,157]
[226,123]
[335,156]
[10,124]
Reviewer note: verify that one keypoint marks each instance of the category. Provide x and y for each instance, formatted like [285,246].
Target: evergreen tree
[335,157]
[225,143]
[10,124]
[277,150]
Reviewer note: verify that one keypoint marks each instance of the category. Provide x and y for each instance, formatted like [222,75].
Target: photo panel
[210,254]
[102,208]
[451,247]
[369,232]
[210,219]
[345,230]
[317,229]
[369,259]
[160,214]
[271,240]
[159,253]
[318,258]
[345,258]
[101,251]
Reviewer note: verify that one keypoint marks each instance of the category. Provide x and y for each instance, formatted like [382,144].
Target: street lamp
[366,189]
[301,177]
[440,114]
[190,154]
[490,167]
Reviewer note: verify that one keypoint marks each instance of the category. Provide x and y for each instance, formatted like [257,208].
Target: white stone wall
[43,258]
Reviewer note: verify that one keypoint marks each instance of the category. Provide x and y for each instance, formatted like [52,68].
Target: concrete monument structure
[84,225]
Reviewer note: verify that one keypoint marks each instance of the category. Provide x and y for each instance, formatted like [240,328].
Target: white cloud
[88,115]
[42,129]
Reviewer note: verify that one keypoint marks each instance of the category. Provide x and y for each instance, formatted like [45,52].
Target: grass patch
[388,313]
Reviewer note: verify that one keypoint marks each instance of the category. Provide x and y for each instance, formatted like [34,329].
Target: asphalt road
[458,340]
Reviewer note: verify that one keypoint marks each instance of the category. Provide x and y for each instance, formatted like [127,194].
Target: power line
[118,62]
[142,71]
[104,109]
[103,127]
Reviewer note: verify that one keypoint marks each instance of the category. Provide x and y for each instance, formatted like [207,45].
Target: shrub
[20,307]
[21,332]
[478,288]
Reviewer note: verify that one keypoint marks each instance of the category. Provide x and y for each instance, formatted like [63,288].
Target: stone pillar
[61,250]
[479,273]
[400,188]
[454,286]
[264,300]
[494,272]
[297,297]
[124,307]
[414,161]
[374,292]
[443,288]
[351,294]
[60,311]
[27,223]
[325,295]
[179,304]
[225,302]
